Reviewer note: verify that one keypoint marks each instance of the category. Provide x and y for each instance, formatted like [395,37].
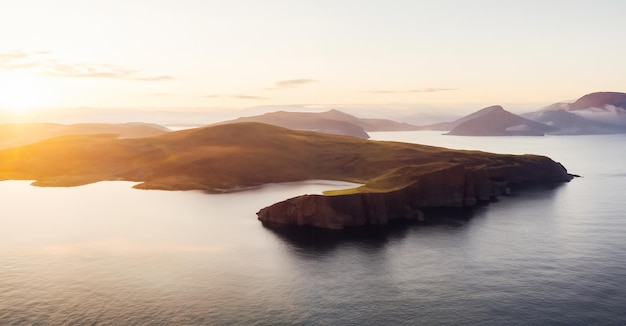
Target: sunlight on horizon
[242,54]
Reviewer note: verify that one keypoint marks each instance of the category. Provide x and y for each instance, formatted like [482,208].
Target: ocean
[107,254]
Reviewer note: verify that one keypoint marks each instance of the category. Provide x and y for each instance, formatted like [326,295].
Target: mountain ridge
[496,121]
[331,122]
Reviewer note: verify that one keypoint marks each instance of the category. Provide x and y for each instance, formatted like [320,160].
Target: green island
[398,179]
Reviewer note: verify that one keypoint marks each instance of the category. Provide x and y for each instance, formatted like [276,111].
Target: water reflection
[371,236]
[545,255]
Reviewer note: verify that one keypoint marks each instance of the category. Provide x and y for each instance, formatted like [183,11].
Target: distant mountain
[600,100]
[330,122]
[601,113]
[305,121]
[496,121]
[369,124]
[569,123]
[447,126]
[607,107]
[25,133]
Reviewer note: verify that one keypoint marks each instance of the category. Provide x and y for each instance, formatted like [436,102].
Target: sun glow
[20,93]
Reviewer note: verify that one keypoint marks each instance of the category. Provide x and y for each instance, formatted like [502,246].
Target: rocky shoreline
[450,186]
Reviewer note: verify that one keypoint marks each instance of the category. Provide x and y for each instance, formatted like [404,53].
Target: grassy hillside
[224,157]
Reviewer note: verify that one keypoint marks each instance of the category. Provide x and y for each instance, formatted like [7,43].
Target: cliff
[450,185]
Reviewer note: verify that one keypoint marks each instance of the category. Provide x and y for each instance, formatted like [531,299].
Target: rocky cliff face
[453,186]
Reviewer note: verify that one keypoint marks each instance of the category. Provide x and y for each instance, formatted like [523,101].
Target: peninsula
[398,179]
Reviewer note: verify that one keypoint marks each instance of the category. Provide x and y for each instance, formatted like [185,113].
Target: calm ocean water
[109,255]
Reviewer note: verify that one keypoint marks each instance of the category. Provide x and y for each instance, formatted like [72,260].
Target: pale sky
[244,53]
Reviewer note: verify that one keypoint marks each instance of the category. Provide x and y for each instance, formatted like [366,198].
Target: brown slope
[242,155]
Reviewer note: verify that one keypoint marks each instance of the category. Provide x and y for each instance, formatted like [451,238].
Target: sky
[206,54]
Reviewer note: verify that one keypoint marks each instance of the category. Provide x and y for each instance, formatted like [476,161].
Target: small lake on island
[108,254]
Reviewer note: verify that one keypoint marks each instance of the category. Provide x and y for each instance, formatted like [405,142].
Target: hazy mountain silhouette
[330,122]
[447,126]
[25,133]
[602,113]
[569,123]
[306,121]
[607,107]
[600,100]
[369,124]
[496,121]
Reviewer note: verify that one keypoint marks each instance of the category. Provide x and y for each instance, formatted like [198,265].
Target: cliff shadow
[545,189]
[309,238]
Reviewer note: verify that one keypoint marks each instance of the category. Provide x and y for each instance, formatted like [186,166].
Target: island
[492,121]
[318,122]
[496,121]
[592,114]
[330,122]
[397,179]
[568,123]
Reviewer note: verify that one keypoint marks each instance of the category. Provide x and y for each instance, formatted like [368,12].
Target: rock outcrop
[451,186]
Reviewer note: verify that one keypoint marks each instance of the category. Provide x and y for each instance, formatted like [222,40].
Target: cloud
[17,60]
[41,62]
[154,78]
[290,83]
[238,96]
[411,91]
[162,94]
[248,97]
[102,71]
[13,55]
